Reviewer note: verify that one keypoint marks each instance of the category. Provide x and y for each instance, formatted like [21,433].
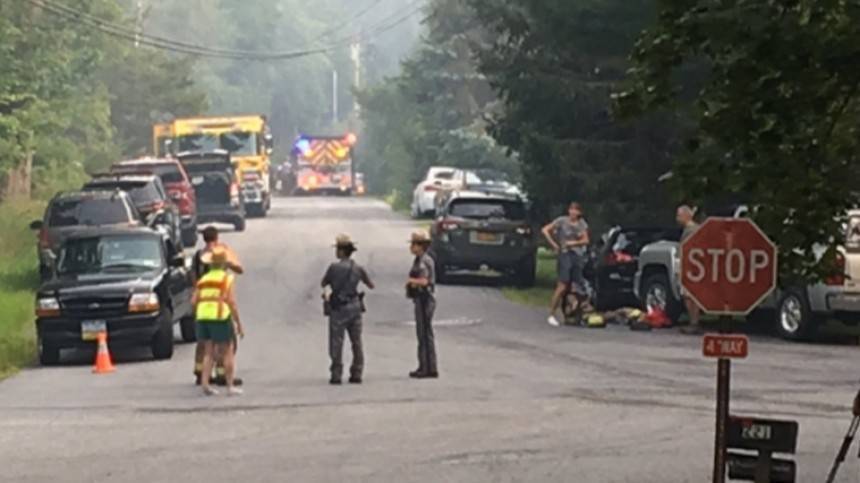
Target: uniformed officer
[420,287]
[344,306]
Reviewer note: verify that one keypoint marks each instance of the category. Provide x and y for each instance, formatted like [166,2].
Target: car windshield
[110,254]
[98,211]
[632,242]
[484,209]
[237,143]
[141,192]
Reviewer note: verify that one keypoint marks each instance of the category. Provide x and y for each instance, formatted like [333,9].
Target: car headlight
[47,307]
[143,302]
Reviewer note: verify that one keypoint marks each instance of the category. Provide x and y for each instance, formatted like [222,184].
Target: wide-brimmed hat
[344,241]
[420,237]
[216,256]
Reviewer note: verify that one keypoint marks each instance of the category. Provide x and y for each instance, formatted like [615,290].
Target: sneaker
[692,330]
[235,391]
[210,391]
[553,321]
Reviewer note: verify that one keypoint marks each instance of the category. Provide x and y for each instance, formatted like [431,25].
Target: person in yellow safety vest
[210,238]
[217,319]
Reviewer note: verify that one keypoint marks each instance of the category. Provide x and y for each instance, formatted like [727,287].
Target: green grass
[540,294]
[18,282]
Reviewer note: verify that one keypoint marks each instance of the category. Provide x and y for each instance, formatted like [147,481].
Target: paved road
[518,400]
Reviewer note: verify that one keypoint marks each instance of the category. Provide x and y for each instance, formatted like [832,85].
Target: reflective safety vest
[212,290]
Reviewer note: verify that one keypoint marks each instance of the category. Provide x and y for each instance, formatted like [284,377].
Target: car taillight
[618,258]
[448,225]
[838,278]
[431,187]
[44,239]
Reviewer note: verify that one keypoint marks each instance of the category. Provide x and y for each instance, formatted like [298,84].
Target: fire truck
[324,165]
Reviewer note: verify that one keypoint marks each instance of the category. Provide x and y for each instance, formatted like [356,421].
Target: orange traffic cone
[103,362]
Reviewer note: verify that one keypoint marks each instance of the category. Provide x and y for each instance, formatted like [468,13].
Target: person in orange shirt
[199,268]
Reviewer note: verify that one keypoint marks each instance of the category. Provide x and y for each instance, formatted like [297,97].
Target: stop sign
[728,266]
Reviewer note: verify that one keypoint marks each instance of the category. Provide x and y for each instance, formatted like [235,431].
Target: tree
[433,112]
[776,115]
[554,66]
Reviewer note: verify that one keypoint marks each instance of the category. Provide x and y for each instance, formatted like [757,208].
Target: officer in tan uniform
[421,287]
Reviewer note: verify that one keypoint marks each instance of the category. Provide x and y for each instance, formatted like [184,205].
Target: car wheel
[657,294]
[794,319]
[239,224]
[526,272]
[188,328]
[49,355]
[162,341]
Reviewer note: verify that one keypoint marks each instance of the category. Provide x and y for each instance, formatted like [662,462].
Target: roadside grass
[540,294]
[18,282]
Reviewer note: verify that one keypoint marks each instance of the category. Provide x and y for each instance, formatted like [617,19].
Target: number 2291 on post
[725,346]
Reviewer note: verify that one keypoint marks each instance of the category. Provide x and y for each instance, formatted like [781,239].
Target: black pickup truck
[125,281]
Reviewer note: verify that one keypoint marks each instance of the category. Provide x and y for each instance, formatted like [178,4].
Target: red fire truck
[324,165]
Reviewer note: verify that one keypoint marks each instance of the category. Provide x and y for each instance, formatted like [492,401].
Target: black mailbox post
[764,437]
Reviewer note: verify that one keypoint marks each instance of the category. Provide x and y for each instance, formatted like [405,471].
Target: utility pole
[138,23]
[355,53]
[334,113]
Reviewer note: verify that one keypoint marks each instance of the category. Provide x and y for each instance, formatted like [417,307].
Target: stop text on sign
[735,265]
[725,346]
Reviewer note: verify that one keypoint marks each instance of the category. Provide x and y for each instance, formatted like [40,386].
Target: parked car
[216,186]
[67,212]
[178,185]
[126,281]
[481,231]
[616,261]
[796,311]
[424,196]
[149,197]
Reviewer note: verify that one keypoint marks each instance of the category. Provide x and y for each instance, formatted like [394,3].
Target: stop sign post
[728,267]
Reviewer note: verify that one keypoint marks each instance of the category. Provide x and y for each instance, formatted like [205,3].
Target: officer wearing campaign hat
[420,287]
[344,306]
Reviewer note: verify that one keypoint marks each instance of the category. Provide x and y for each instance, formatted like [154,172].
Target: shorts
[218,331]
[570,266]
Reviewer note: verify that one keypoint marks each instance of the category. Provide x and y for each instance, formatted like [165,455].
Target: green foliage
[554,66]
[776,113]
[432,112]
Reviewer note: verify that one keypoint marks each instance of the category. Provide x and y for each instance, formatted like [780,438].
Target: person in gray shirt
[569,237]
[420,287]
[345,306]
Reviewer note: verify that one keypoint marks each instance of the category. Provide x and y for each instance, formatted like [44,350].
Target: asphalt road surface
[517,400]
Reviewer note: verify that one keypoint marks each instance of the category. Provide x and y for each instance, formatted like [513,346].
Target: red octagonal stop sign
[728,266]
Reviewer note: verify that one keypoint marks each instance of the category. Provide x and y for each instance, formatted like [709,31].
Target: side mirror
[37,225]
[177,262]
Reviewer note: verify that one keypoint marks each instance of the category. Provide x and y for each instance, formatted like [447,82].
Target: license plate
[486,238]
[90,329]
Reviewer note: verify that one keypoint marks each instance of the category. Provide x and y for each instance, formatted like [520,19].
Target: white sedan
[424,197]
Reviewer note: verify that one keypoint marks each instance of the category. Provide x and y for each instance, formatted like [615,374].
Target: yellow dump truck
[162,138]
[248,140]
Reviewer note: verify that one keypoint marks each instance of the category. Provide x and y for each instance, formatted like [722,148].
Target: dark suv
[127,282]
[149,197]
[68,212]
[178,185]
[481,230]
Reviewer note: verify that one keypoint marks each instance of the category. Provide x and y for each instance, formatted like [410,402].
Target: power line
[346,23]
[162,43]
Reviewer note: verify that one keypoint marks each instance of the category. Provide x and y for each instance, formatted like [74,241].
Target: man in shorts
[568,236]
[685,216]
[217,319]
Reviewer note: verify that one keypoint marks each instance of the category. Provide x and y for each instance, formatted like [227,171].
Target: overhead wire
[122,32]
